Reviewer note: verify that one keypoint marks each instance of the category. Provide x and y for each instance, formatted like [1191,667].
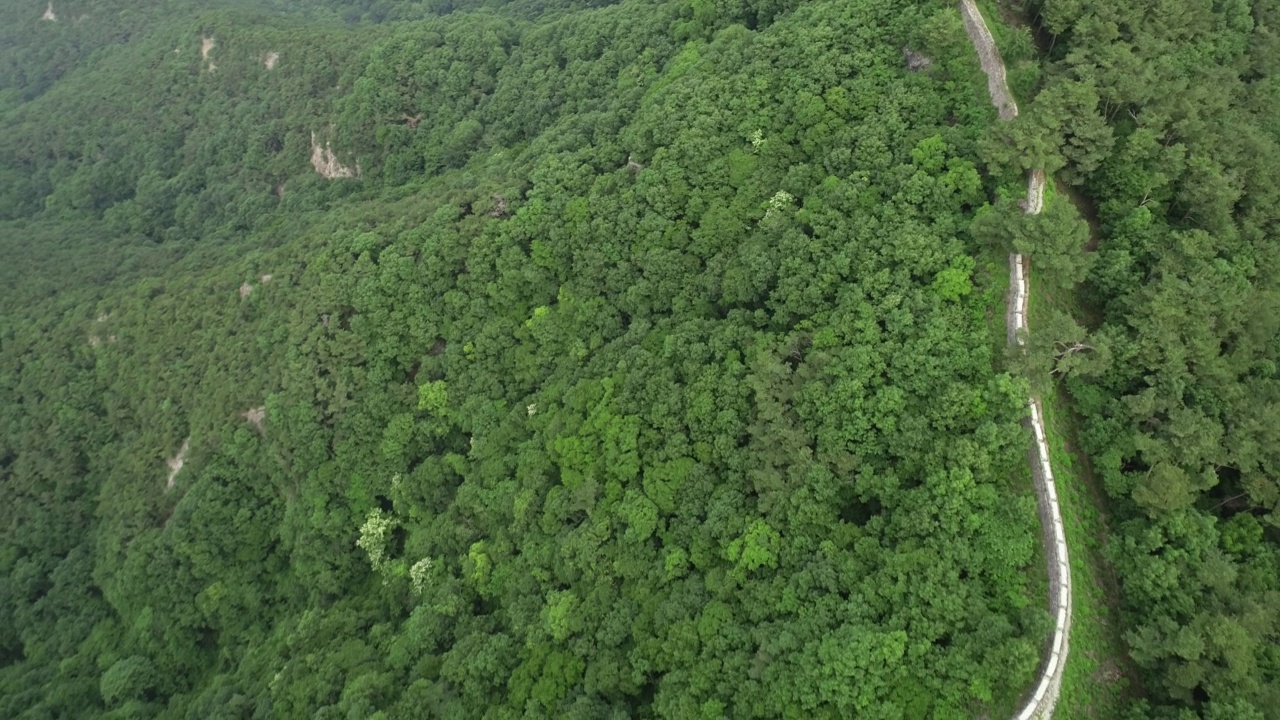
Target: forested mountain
[636,359]
[604,381]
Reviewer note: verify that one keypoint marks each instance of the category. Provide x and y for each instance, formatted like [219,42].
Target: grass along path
[1094,680]
[1099,676]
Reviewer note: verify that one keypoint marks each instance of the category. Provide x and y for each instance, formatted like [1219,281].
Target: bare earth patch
[97,340]
[916,62]
[1108,672]
[326,163]
[207,44]
[176,462]
[49,14]
[271,59]
[256,416]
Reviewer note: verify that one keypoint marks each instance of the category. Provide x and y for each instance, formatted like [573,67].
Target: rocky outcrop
[326,162]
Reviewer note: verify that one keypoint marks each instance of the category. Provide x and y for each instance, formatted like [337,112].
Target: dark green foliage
[1062,133]
[128,680]
[1054,238]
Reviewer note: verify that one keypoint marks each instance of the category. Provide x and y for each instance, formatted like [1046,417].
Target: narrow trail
[1041,702]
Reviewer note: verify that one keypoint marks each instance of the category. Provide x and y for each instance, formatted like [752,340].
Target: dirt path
[1044,697]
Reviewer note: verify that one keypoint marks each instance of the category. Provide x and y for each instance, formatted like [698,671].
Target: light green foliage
[757,548]
[397,435]
[433,398]
[955,282]
[480,566]
[641,515]
[676,563]
[560,611]
[930,154]
[663,481]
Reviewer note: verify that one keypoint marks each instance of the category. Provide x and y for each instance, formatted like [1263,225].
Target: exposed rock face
[916,61]
[256,417]
[500,209]
[176,462]
[326,163]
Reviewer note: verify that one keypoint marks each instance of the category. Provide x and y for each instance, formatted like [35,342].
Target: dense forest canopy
[636,359]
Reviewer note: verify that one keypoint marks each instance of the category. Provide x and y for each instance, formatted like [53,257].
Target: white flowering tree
[374,532]
[781,201]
